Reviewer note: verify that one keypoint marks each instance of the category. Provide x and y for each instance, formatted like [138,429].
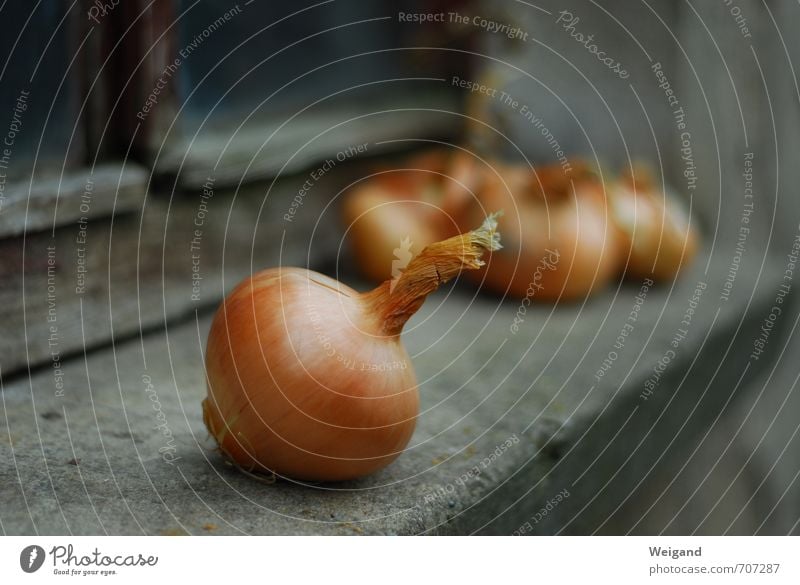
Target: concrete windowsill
[88,461]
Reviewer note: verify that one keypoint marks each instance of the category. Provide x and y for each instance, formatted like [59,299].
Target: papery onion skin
[394,205]
[308,379]
[598,234]
[555,216]
[379,216]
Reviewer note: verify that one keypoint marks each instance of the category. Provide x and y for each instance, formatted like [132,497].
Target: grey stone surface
[260,149]
[88,461]
[136,269]
[46,204]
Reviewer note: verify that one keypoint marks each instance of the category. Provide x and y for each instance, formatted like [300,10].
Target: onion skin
[308,379]
[630,229]
[396,204]
[556,216]
[382,214]
[254,353]
[543,216]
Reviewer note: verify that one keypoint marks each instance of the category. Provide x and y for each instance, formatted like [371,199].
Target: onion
[560,243]
[654,227]
[308,378]
[396,208]
[566,236]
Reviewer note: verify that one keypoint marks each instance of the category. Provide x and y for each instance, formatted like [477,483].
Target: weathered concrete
[86,193]
[262,149]
[89,462]
[160,259]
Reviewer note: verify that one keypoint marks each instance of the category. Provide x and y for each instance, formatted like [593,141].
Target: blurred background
[153,149]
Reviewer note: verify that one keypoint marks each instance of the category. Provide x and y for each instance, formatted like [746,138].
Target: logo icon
[31,558]
[402,256]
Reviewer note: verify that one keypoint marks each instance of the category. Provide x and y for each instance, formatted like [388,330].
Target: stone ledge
[307,141]
[98,468]
[86,193]
[135,270]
